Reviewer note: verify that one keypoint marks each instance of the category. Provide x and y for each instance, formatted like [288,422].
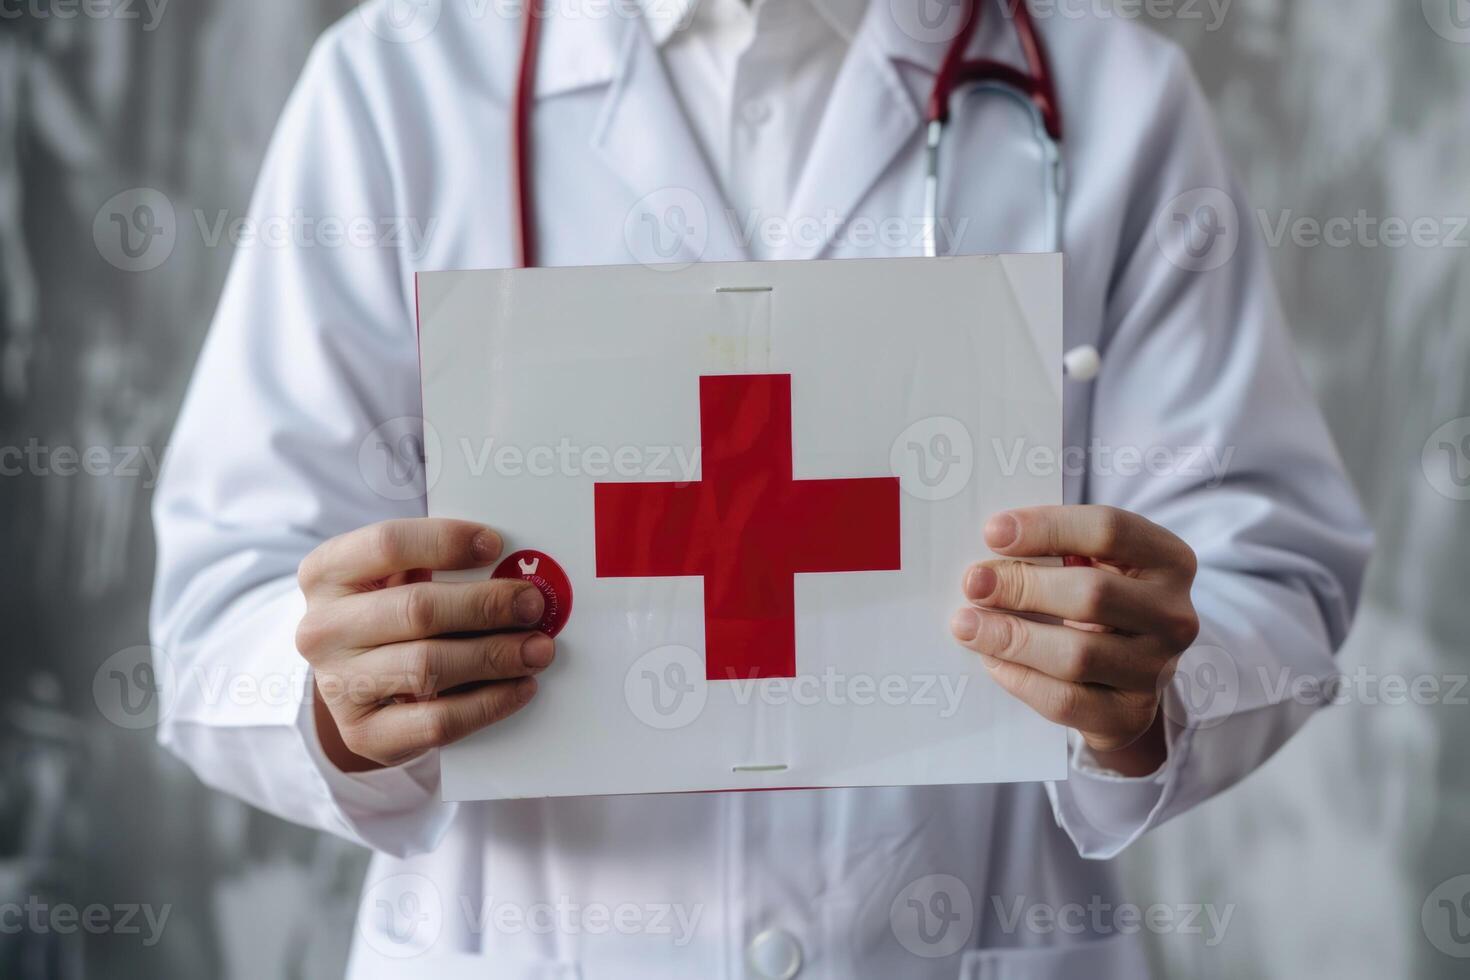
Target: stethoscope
[1032,88]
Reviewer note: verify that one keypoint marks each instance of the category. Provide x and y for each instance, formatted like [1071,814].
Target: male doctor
[277,559]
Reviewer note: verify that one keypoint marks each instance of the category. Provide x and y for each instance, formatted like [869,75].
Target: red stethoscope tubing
[1035,83]
[523,202]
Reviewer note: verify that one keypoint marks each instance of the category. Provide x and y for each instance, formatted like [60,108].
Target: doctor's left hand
[1126,618]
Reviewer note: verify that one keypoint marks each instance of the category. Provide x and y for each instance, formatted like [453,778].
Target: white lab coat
[314,346]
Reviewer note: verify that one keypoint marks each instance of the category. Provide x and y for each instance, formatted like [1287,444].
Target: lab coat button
[775,954]
[1082,363]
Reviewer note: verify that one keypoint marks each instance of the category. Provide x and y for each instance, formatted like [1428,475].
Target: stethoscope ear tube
[1054,186]
[1033,88]
[933,138]
[523,203]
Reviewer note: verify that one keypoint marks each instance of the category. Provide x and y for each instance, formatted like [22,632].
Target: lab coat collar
[872,114]
[869,118]
[583,41]
[665,17]
[643,137]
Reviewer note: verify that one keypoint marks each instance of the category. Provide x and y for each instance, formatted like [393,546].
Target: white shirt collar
[664,17]
[582,50]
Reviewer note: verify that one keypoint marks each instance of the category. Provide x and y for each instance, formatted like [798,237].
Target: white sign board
[750,491]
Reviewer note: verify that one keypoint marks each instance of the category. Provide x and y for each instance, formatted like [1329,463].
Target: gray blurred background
[1341,858]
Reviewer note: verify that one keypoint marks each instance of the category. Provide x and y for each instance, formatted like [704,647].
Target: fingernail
[965,624]
[525,689]
[529,605]
[537,651]
[485,547]
[990,662]
[980,582]
[1002,530]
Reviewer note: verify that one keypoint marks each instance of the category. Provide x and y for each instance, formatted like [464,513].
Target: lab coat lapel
[870,117]
[678,213]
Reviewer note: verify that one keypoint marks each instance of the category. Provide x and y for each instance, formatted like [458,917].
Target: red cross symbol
[747,527]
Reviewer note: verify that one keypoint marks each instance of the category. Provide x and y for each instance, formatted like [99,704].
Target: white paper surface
[944,373]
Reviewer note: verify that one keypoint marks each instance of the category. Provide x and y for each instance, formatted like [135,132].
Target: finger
[377,551]
[1088,530]
[1099,711]
[1086,595]
[1059,651]
[425,609]
[420,668]
[402,731]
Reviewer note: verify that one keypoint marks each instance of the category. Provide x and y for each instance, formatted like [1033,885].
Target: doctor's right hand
[401,664]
